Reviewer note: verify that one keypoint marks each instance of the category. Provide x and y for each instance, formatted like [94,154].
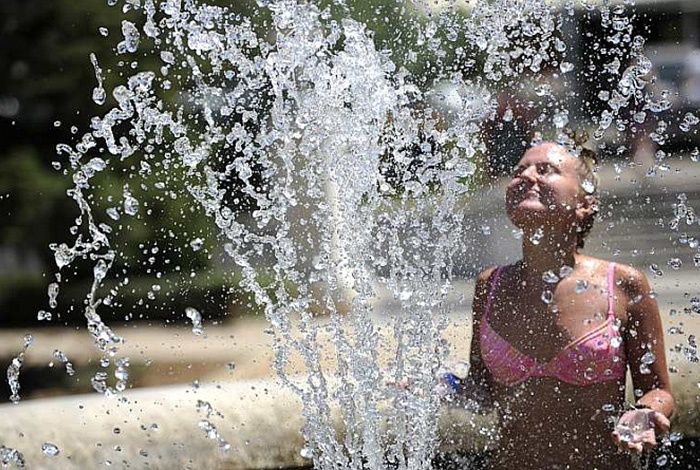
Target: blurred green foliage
[46,84]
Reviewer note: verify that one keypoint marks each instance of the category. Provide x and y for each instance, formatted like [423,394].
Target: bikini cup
[595,357]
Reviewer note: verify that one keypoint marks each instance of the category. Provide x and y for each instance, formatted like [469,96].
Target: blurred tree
[46,84]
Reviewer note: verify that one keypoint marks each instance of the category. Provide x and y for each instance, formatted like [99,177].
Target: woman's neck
[543,252]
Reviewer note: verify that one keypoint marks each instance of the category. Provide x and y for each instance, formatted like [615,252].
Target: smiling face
[546,190]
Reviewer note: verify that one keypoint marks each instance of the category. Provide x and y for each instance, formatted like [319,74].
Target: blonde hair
[574,143]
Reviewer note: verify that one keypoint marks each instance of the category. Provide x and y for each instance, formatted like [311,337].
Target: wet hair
[573,142]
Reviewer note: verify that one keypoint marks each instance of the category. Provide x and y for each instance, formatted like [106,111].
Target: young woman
[556,332]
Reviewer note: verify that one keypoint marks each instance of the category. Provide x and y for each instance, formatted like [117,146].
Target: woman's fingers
[660,422]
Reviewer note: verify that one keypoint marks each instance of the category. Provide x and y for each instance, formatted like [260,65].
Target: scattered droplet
[131,40]
[547,296]
[654,268]
[50,450]
[581,286]
[588,186]
[131,204]
[565,271]
[53,294]
[549,277]
[194,315]
[675,263]
[566,67]
[536,237]
[695,155]
[43,315]
[648,358]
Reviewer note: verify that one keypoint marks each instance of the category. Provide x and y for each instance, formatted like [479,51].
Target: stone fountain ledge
[158,428]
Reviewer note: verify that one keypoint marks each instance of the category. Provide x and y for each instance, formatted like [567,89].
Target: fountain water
[334,162]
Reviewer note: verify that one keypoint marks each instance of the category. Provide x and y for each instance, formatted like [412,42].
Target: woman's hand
[637,429]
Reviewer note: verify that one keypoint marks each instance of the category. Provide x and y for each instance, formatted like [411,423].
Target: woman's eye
[545,169]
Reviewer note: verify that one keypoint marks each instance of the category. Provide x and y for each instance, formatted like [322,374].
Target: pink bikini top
[597,356]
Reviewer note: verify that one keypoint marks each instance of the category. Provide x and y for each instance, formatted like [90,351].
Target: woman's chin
[527,210]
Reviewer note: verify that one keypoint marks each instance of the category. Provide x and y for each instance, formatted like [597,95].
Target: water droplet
[695,155]
[99,95]
[131,38]
[307,453]
[654,268]
[547,296]
[60,356]
[675,263]
[565,271]
[537,236]
[196,244]
[194,315]
[581,286]
[104,31]
[640,117]
[661,460]
[549,277]
[689,121]
[566,67]
[50,450]
[588,186]
[131,204]
[560,119]
[43,315]
[648,358]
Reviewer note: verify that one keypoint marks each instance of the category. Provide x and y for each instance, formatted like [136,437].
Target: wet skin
[547,423]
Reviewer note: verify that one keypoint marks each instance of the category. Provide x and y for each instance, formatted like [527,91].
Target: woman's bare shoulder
[630,279]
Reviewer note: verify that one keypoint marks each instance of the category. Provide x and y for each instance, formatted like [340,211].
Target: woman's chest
[541,322]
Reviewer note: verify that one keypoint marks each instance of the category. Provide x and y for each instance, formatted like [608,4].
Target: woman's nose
[529,173]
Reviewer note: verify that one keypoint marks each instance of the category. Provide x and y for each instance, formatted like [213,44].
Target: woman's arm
[644,345]
[646,356]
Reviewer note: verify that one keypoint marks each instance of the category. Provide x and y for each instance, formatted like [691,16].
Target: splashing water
[13,369]
[330,170]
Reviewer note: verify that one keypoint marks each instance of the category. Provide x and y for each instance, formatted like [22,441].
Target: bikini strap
[611,289]
[492,289]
